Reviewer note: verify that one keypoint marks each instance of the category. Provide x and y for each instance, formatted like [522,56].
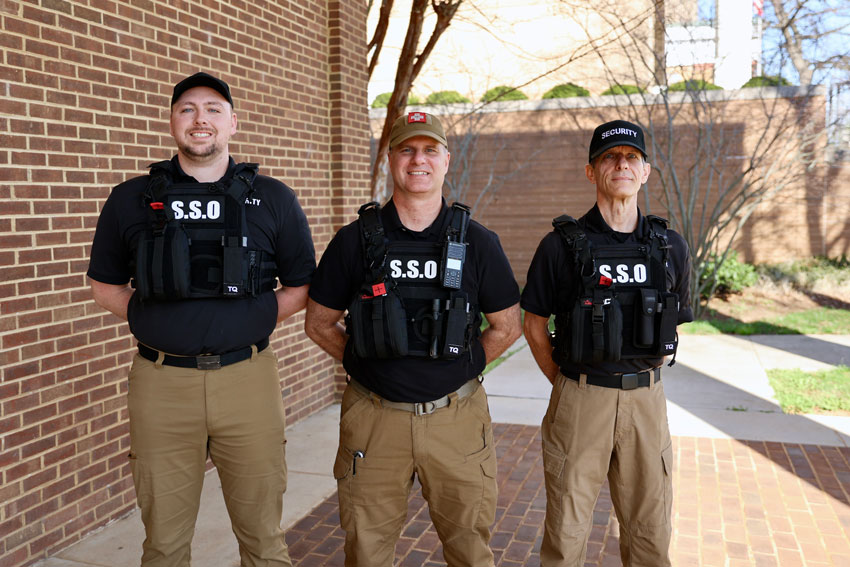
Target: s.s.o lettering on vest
[626,273]
[413,269]
[202,209]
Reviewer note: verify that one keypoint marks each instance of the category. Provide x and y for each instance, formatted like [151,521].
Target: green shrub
[732,276]
[445,97]
[383,99]
[503,93]
[809,272]
[623,89]
[566,90]
[694,85]
[766,81]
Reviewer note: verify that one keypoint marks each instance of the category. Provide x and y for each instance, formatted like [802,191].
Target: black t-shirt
[487,278]
[276,225]
[553,264]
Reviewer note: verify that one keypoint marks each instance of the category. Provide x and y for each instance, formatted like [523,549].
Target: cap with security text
[417,124]
[613,134]
[201,80]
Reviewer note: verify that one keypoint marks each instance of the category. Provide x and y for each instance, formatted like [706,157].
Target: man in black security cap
[618,284]
[415,276]
[190,255]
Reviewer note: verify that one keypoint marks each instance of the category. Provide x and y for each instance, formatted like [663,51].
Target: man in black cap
[415,276]
[618,284]
[190,256]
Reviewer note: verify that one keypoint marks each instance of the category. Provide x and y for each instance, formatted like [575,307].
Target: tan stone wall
[85,88]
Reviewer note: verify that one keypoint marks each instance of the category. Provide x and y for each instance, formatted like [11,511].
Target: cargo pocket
[141,482]
[342,474]
[489,496]
[667,464]
[283,469]
[554,461]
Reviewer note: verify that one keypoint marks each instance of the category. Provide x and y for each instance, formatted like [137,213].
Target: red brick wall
[85,89]
[546,149]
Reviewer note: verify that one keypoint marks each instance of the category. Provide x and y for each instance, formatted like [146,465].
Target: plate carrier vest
[425,315]
[197,244]
[622,308]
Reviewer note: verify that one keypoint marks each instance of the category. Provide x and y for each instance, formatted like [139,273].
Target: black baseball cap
[616,133]
[201,80]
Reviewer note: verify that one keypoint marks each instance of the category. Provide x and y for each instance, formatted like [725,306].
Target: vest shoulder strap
[458,223]
[374,242]
[657,236]
[159,180]
[242,183]
[570,231]
[575,240]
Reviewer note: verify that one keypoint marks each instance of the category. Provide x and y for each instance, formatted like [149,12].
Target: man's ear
[590,174]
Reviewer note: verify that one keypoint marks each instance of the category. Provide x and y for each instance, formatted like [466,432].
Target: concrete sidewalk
[717,390]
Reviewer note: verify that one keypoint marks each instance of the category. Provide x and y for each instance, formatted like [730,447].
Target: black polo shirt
[276,225]
[553,264]
[487,278]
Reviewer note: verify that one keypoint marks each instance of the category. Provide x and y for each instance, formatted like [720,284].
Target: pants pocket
[554,461]
[667,464]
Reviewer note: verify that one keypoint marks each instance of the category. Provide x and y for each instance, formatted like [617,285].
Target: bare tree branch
[377,41]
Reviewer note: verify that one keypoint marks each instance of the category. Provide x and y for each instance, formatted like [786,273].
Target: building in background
[536,44]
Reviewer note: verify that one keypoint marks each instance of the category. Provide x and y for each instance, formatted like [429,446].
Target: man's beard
[200,153]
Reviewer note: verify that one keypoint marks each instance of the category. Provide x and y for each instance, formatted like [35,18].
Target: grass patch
[799,391]
[823,321]
[494,363]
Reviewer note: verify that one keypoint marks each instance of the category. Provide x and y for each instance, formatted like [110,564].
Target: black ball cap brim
[201,80]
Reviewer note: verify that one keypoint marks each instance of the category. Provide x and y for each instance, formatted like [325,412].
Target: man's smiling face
[202,122]
[419,165]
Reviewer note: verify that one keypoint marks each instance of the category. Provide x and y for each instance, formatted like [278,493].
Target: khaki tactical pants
[450,450]
[590,432]
[235,415]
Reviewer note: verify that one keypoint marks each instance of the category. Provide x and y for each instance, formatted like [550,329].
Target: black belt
[628,381]
[202,362]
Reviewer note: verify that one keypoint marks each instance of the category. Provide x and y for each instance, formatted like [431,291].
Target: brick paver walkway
[737,503]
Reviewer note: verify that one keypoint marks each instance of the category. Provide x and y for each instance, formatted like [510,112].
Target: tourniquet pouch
[596,330]
[667,337]
[646,310]
[162,264]
[378,326]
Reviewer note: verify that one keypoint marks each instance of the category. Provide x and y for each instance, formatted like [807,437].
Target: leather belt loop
[253,352]
[582,381]
[160,357]
[652,378]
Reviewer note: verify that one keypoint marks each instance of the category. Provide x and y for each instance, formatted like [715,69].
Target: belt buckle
[208,362]
[629,381]
[424,408]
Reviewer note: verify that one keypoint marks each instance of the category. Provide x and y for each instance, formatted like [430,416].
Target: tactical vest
[623,308]
[410,303]
[197,243]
